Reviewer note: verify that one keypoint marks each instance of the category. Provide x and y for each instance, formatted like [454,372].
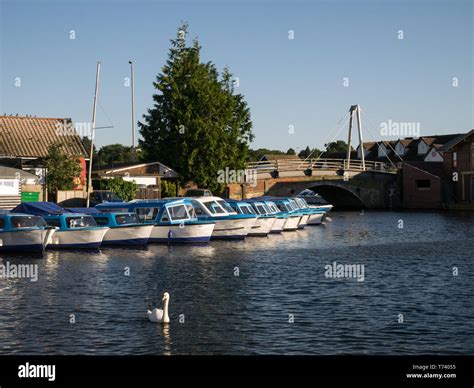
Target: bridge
[296,166]
[342,182]
[346,183]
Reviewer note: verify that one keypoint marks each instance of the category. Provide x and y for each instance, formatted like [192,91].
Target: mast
[89,183]
[133,104]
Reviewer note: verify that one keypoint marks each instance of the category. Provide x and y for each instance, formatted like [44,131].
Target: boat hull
[278,225]
[303,221]
[316,219]
[291,223]
[262,226]
[78,239]
[182,233]
[232,228]
[128,235]
[24,240]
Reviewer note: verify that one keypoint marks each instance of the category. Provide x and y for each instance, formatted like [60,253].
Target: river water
[259,296]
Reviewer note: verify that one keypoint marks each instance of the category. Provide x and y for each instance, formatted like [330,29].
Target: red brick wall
[415,198]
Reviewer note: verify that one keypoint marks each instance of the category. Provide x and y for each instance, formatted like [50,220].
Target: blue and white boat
[316,213]
[284,206]
[229,224]
[23,233]
[269,208]
[264,223]
[125,228]
[73,230]
[173,220]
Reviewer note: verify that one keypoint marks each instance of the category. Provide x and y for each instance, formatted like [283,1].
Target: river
[268,295]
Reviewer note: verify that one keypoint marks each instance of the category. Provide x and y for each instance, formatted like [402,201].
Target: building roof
[455,141]
[30,137]
[410,143]
[137,169]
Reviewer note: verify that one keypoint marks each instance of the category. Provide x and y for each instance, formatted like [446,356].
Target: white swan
[159,315]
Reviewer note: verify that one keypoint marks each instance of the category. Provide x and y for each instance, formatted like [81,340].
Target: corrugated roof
[30,137]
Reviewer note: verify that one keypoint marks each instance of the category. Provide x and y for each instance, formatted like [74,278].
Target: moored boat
[173,220]
[73,230]
[264,223]
[21,232]
[125,228]
[229,224]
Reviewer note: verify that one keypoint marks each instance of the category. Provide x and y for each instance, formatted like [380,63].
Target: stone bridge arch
[341,195]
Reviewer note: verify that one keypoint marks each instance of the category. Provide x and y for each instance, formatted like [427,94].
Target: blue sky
[296,82]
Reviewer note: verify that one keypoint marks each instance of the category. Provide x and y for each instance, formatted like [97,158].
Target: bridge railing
[288,165]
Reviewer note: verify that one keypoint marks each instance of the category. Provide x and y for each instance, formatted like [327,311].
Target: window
[147,213]
[178,212]
[124,219]
[27,222]
[226,206]
[423,184]
[101,221]
[191,211]
[214,207]
[198,210]
[260,209]
[455,159]
[2,223]
[80,222]
[244,210]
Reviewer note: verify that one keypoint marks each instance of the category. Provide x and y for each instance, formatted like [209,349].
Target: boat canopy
[83,210]
[39,208]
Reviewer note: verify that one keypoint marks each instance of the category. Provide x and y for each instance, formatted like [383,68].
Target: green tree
[291,151]
[113,154]
[336,146]
[168,189]
[256,155]
[198,125]
[124,189]
[309,153]
[61,169]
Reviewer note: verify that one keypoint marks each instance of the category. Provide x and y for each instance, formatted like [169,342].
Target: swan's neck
[166,317]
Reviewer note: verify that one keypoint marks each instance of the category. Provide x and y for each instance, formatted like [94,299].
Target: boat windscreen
[147,213]
[81,222]
[178,212]
[214,207]
[246,209]
[226,206]
[125,219]
[19,222]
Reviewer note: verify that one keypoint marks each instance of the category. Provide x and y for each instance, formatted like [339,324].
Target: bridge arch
[342,196]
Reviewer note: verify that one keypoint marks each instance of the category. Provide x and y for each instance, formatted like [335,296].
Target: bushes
[168,189]
[124,189]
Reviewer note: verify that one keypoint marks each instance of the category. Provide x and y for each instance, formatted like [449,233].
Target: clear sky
[298,82]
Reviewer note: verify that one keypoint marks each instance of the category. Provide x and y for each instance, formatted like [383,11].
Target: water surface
[408,271]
